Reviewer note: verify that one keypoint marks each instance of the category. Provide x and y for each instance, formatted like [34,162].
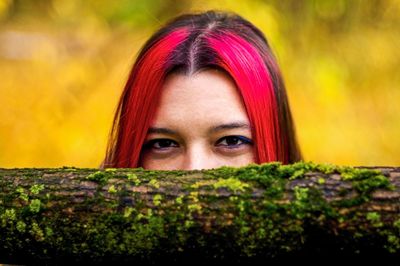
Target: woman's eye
[232,142]
[161,144]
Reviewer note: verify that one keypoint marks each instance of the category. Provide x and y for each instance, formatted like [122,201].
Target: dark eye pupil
[164,143]
[232,140]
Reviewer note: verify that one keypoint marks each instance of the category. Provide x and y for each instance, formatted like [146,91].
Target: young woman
[205,91]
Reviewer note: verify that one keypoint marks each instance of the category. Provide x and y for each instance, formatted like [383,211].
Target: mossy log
[268,212]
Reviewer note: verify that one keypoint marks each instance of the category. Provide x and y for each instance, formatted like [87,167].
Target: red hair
[245,65]
[192,43]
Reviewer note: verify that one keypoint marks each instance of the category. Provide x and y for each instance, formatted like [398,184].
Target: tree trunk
[268,212]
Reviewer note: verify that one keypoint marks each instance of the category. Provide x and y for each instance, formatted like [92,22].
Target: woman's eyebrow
[233,125]
[161,130]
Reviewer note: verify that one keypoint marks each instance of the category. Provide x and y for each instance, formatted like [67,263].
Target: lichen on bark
[263,211]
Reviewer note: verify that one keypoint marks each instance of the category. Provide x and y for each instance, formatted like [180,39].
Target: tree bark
[268,212]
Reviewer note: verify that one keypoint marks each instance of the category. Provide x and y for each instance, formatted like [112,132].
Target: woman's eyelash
[244,140]
[168,142]
[151,143]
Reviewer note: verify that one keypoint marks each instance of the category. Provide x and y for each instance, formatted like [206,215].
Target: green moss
[36,188]
[396,224]
[241,206]
[188,224]
[35,205]
[200,184]
[308,203]
[374,218]
[347,203]
[194,196]
[267,225]
[48,231]
[153,174]
[133,177]
[263,174]
[232,184]
[300,207]
[140,216]
[99,177]
[154,183]
[149,213]
[300,194]
[8,216]
[195,207]
[364,179]
[393,245]
[128,211]
[157,200]
[37,232]
[297,173]
[393,237]
[179,200]
[21,226]
[22,195]
[327,168]
[233,198]
[112,189]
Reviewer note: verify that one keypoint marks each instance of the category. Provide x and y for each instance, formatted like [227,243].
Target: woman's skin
[201,123]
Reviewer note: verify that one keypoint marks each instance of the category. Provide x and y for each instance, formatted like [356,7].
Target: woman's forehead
[208,97]
[207,93]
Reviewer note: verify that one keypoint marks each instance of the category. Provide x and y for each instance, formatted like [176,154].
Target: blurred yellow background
[63,65]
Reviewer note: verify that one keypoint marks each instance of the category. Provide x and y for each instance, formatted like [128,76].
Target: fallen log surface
[268,212]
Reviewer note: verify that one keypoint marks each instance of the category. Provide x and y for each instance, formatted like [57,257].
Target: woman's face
[201,123]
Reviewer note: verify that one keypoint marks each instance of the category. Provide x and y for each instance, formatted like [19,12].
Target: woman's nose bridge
[198,157]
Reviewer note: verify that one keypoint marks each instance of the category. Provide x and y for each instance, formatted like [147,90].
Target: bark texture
[268,212]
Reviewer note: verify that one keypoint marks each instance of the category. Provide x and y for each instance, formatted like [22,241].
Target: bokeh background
[63,65]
